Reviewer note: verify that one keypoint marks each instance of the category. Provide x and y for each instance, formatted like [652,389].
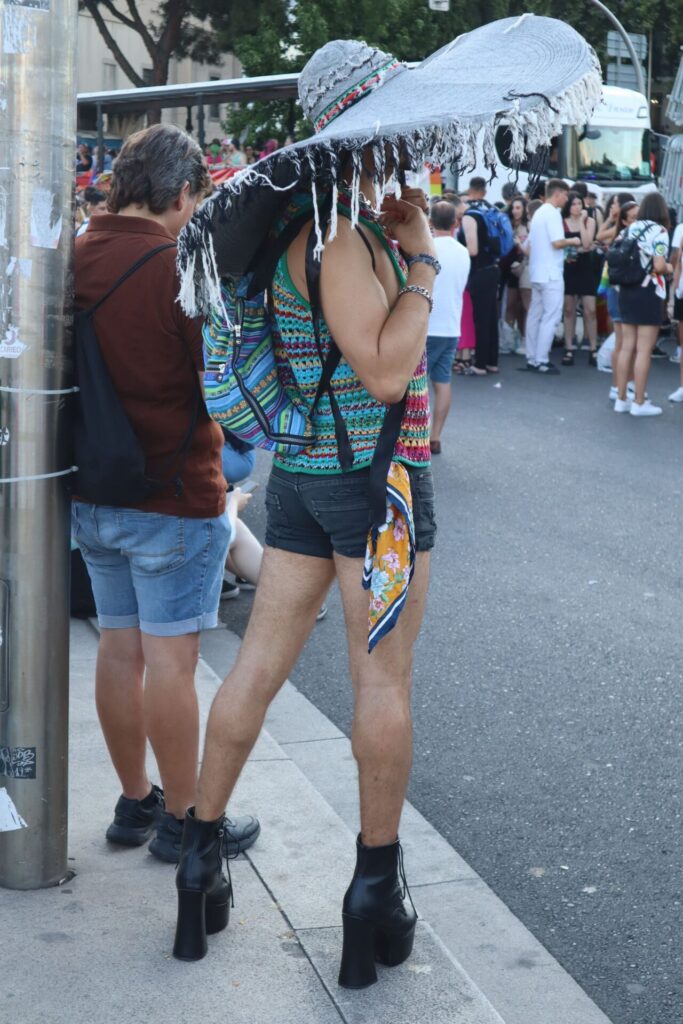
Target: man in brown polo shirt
[156,569]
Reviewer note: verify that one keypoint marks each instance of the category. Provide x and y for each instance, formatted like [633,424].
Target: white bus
[611,154]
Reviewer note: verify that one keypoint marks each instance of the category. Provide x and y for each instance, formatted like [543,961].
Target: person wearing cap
[358,502]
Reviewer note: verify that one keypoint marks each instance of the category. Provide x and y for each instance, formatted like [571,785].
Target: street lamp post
[627,43]
[37,150]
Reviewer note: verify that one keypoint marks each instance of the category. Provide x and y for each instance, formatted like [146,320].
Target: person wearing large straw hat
[374,119]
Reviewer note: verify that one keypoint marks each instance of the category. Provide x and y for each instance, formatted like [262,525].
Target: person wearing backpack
[487,234]
[638,263]
[155,555]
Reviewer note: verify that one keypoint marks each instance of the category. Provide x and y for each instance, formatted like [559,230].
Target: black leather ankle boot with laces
[379,926]
[204,893]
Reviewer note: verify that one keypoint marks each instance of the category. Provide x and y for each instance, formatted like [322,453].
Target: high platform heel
[379,926]
[204,894]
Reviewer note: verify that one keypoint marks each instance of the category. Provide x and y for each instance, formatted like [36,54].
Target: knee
[172,655]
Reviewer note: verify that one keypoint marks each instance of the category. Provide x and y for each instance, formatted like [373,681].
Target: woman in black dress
[580,278]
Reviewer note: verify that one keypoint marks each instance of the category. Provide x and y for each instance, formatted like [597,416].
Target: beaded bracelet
[425,257]
[417,290]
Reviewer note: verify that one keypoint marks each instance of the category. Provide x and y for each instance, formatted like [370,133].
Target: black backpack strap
[331,362]
[391,425]
[129,273]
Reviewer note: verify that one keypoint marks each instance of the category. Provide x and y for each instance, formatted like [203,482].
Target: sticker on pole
[46,228]
[18,762]
[10,819]
[11,346]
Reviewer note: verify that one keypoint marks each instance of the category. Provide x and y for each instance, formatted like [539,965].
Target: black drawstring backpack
[106,450]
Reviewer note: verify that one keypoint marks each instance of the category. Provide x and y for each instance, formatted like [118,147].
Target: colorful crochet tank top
[300,368]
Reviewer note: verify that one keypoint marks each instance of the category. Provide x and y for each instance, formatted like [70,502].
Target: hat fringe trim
[532,127]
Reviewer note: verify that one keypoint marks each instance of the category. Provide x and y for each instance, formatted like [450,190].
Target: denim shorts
[160,573]
[440,356]
[316,514]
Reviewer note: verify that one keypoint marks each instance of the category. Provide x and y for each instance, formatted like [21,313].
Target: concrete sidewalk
[98,948]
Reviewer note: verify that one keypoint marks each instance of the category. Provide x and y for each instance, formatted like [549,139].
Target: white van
[611,154]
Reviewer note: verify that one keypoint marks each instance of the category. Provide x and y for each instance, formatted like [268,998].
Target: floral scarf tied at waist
[390,557]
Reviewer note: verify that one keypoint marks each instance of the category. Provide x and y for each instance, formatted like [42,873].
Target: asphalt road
[548,723]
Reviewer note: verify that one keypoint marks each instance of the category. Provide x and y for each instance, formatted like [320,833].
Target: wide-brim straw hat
[530,75]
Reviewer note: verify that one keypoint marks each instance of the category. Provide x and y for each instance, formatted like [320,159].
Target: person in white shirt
[443,332]
[546,270]
[677,264]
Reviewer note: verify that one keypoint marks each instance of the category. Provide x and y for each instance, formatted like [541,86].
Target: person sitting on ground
[156,569]
[444,321]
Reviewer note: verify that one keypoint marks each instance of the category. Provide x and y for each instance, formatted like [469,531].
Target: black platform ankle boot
[204,894]
[378,924]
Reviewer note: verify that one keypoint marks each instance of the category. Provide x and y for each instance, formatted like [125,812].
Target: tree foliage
[275,36]
[278,36]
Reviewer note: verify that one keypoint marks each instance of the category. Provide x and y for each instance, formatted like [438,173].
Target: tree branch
[93,8]
[117,14]
[142,30]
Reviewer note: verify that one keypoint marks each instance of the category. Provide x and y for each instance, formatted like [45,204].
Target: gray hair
[153,166]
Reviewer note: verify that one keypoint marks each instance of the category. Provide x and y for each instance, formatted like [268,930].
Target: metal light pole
[627,43]
[37,149]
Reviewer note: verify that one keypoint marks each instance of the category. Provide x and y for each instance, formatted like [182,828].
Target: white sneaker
[613,393]
[622,405]
[677,396]
[676,357]
[646,409]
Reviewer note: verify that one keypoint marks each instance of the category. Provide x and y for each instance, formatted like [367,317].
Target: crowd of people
[556,265]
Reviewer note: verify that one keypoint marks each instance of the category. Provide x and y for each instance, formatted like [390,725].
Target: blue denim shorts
[160,573]
[440,356]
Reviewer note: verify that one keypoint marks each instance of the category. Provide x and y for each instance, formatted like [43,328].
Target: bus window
[614,154]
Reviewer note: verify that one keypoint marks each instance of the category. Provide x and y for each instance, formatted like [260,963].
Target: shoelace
[221,833]
[405,891]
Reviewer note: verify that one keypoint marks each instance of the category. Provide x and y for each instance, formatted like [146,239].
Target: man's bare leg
[382,726]
[290,590]
[172,715]
[119,696]
[441,407]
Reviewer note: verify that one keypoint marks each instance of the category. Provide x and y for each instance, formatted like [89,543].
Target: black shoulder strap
[391,425]
[331,362]
[129,273]
[263,269]
[367,245]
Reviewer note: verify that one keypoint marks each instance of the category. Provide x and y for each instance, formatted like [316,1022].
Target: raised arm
[382,345]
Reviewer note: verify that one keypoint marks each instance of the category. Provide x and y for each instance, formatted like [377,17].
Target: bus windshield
[615,154]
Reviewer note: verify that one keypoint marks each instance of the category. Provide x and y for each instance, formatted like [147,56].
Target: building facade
[99,71]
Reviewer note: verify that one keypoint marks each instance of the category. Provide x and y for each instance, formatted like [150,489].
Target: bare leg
[290,591]
[512,310]
[615,352]
[172,714]
[442,404]
[625,360]
[246,553]
[590,320]
[525,296]
[569,321]
[382,727]
[119,698]
[646,340]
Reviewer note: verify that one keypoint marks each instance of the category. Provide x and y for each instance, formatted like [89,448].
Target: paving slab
[429,987]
